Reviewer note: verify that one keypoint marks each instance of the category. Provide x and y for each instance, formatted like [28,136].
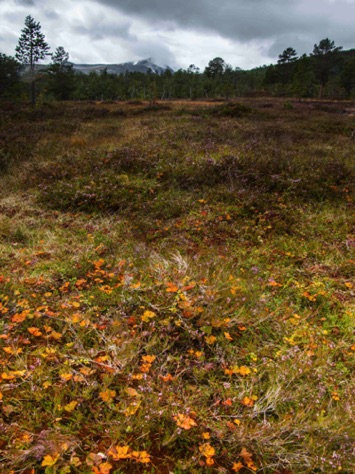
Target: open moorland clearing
[177,287]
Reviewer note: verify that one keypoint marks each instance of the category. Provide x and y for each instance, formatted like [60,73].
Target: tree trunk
[33,93]
[321,91]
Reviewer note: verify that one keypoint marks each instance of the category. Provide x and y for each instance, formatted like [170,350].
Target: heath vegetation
[177,287]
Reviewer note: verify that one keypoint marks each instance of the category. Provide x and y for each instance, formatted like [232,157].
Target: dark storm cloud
[299,23]
[239,19]
[25,3]
[245,33]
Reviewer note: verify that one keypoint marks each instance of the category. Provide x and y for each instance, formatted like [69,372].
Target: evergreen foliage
[327,71]
[9,75]
[31,49]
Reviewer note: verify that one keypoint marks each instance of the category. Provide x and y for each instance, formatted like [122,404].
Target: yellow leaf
[132,408]
[20,373]
[132,392]
[66,377]
[75,461]
[50,460]
[1,396]
[184,421]
[70,406]
[237,422]
[147,316]
[149,359]
[87,371]
[207,450]
[209,461]
[228,336]
[206,435]
[210,339]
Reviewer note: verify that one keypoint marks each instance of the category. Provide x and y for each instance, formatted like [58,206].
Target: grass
[177,288]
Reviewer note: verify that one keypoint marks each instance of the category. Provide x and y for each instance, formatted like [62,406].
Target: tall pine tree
[31,48]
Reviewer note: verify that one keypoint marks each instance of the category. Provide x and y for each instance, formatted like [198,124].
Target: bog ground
[177,288]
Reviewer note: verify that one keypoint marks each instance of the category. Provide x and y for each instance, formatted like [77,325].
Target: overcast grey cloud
[246,33]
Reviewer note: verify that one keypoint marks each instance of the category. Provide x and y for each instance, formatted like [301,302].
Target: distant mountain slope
[137,66]
[143,66]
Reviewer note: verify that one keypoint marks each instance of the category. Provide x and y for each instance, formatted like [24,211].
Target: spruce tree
[31,48]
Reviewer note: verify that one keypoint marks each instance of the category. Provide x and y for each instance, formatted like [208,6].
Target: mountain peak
[143,65]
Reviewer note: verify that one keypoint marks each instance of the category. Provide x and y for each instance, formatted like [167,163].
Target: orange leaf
[167,378]
[247,402]
[247,459]
[171,288]
[237,466]
[34,331]
[207,450]
[243,370]
[103,468]
[184,421]
[210,339]
[141,456]
[132,392]
[108,395]
[228,402]
[66,376]
[18,318]
[120,452]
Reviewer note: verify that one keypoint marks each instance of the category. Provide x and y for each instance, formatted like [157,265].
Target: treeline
[326,72]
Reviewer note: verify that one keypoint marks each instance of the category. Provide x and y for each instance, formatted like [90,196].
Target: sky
[178,33]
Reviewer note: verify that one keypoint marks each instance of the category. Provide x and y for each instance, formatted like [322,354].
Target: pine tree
[60,75]
[60,56]
[325,58]
[31,48]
